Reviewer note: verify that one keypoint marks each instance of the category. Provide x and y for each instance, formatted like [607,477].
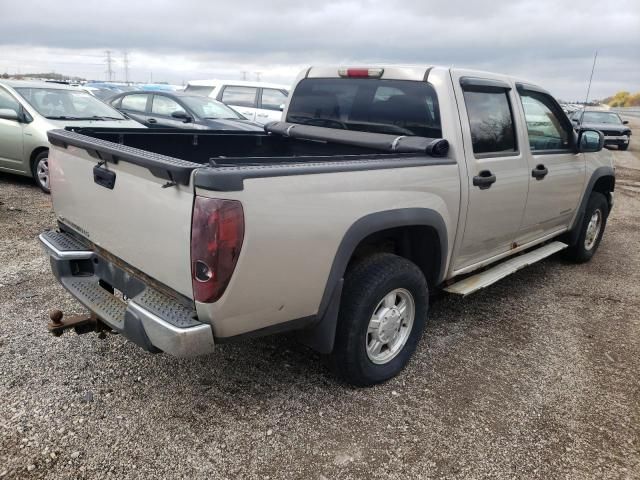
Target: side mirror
[9,114]
[625,122]
[590,141]
[281,108]
[576,121]
[182,115]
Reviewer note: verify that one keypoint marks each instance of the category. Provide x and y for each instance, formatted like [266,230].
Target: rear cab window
[397,107]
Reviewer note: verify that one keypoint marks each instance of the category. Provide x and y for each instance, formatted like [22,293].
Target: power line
[125,60]
[109,62]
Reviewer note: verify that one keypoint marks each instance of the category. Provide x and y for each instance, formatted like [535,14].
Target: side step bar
[492,275]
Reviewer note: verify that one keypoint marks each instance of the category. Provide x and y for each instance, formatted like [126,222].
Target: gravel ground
[534,377]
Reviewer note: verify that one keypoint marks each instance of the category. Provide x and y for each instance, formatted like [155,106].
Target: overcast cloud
[548,42]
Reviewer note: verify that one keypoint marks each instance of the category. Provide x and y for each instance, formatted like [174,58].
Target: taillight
[217,231]
[361,72]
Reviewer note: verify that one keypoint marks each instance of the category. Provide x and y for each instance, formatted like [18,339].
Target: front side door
[11,134]
[271,105]
[497,168]
[557,172]
[240,98]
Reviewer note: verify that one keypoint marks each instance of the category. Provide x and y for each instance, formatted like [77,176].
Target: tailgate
[144,218]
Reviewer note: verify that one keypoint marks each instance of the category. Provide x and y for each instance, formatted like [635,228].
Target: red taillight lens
[217,231]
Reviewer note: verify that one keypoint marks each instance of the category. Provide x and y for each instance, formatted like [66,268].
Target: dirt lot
[535,377]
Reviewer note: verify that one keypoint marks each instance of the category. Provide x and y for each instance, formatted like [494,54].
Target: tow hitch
[80,323]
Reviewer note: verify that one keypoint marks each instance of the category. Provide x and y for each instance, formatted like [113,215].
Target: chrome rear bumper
[150,318]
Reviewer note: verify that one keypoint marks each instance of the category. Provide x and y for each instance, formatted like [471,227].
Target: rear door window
[272,99]
[368,105]
[491,122]
[135,103]
[241,96]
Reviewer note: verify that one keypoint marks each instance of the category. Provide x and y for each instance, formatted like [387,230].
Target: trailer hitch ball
[56,316]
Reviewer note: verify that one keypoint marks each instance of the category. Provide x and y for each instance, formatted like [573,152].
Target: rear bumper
[150,318]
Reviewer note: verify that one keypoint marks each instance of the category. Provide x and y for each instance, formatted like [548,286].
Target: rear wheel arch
[407,229]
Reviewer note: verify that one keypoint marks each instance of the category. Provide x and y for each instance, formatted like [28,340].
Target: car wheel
[623,146]
[591,230]
[382,315]
[40,170]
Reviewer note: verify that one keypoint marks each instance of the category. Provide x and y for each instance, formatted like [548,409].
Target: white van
[258,101]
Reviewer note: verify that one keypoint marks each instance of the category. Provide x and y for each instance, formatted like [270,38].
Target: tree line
[623,99]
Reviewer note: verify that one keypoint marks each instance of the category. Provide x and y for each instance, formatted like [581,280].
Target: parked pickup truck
[381,186]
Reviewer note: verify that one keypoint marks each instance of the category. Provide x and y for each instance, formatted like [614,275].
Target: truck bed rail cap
[161,166]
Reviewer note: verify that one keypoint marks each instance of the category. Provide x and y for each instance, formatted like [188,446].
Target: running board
[484,279]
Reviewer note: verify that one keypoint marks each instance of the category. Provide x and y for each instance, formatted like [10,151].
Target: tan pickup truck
[380,186]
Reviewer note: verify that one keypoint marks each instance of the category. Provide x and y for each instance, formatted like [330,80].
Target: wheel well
[417,243]
[35,153]
[605,185]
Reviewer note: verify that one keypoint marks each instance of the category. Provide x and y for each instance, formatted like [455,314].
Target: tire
[40,170]
[589,239]
[368,290]
[623,146]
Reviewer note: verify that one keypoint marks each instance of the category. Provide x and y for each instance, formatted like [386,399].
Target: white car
[258,101]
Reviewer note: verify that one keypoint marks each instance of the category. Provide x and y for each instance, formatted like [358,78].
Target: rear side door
[242,99]
[557,172]
[136,106]
[496,165]
[272,101]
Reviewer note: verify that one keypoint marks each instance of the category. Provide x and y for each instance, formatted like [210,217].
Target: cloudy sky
[550,42]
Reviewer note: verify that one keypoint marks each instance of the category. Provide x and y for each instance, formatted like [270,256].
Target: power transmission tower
[109,62]
[244,74]
[258,76]
[125,60]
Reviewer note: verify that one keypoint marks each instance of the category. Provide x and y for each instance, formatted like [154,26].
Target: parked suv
[257,101]
[29,109]
[616,131]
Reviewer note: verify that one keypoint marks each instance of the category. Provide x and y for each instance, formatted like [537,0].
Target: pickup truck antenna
[586,100]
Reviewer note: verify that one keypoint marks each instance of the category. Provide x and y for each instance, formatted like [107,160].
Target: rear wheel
[40,170]
[382,315]
[591,230]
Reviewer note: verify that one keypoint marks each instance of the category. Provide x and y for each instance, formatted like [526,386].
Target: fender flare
[321,335]
[597,174]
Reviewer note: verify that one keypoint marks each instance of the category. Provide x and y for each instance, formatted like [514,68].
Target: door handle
[484,179]
[151,120]
[262,115]
[539,172]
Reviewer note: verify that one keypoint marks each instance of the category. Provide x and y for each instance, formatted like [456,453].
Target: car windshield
[205,107]
[56,103]
[601,117]
[366,105]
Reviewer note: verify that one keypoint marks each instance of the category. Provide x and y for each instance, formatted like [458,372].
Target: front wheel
[591,230]
[382,315]
[40,171]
